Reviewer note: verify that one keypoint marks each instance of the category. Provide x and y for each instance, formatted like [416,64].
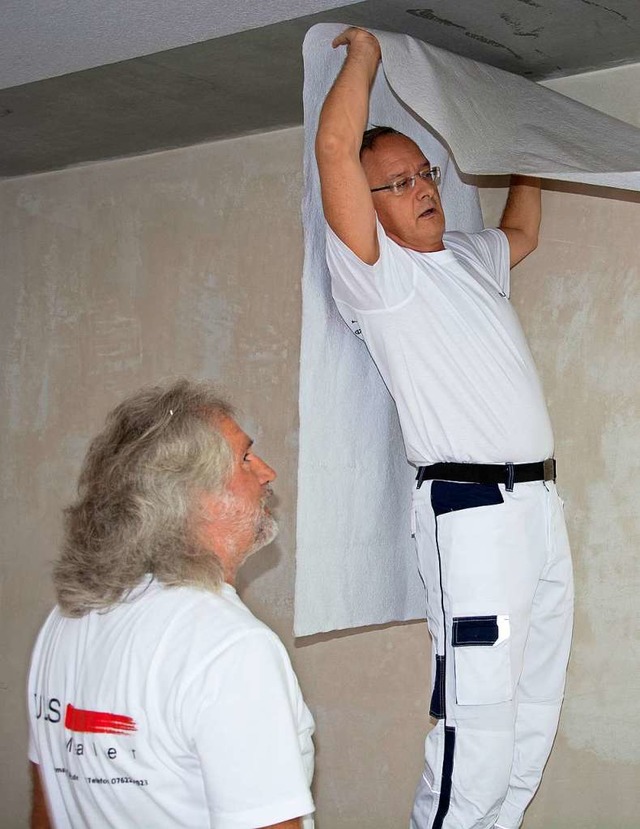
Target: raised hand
[358,40]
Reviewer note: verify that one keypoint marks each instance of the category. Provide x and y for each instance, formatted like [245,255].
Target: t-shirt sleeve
[253,736]
[489,247]
[32,751]
[363,287]
[32,694]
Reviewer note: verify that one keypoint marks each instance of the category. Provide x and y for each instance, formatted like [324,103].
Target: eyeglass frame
[409,182]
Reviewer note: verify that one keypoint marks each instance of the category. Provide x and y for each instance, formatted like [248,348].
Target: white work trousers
[497,571]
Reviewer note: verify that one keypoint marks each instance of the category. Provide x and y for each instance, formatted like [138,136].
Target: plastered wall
[188,262]
[578,297]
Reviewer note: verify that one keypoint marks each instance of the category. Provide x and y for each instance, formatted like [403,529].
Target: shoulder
[191,623]
[220,625]
[340,253]
[486,252]
[363,287]
[237,657]
[208,639]
[212,615]
[488,248]
[491,238]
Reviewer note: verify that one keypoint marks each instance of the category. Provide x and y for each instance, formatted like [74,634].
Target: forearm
[39,814]
[523,208]
[521,217]
[344,114]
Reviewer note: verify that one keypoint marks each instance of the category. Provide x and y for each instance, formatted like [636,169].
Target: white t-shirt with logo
[449,347]
[175,708]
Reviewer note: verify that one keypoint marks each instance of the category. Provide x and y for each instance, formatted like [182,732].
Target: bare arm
[521,218]
[294,823]
[346,199]
[39,814]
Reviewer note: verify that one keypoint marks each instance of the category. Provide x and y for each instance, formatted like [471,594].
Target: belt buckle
[549,469]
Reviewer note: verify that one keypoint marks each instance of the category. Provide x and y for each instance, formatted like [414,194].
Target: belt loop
[511,477]
[549,469]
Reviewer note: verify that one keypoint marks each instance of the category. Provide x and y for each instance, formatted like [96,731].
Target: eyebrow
[425,163]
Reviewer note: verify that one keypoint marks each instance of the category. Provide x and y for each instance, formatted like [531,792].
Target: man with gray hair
[155,697]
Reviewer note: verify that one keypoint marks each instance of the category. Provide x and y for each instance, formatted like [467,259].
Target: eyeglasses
[403,184]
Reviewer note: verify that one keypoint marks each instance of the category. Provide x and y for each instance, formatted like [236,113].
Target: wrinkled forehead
[390,156]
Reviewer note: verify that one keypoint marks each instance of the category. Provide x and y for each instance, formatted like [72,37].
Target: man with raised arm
[156,698]
[433,309]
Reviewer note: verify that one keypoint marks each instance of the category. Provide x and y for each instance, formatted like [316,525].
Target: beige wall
[188,262]
[578,297]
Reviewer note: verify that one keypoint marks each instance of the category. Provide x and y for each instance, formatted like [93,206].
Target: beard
[263,524]
[242,529]
[266,529]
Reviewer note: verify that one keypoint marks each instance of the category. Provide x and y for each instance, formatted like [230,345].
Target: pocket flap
[475,630]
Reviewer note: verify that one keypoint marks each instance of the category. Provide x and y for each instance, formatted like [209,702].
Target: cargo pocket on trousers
[482,659]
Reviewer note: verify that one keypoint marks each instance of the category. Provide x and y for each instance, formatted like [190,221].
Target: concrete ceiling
[82,82]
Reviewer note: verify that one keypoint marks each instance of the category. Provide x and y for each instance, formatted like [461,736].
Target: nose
[424,187]
[264,472]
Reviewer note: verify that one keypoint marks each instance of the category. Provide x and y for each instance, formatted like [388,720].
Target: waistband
[489,473]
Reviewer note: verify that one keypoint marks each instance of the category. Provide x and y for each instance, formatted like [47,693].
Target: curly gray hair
[136,511]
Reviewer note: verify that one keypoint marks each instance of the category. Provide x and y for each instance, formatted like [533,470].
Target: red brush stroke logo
[97,722]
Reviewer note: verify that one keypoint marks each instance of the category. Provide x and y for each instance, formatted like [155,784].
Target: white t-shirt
[176,708]
[449,347]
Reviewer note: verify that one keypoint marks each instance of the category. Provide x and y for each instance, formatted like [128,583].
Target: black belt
[489,473]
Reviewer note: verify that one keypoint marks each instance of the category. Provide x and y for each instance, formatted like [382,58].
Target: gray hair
[136,511]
